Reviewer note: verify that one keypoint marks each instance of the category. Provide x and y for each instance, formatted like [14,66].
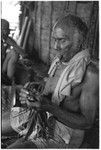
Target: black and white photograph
[49,74]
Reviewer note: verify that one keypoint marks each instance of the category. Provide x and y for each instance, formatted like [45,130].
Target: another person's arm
[10,63]
[5,63]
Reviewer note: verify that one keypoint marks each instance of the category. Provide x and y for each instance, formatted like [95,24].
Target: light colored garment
[71,76]
[18,118]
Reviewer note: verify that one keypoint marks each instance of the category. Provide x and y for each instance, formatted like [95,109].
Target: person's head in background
[4,29]
[69,33]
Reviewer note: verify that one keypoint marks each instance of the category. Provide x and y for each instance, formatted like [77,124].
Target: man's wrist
[46,107]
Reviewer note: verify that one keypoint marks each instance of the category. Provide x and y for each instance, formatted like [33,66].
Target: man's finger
[24,91]
[33,104]
[23,102]
[26,85]
[22,99]
[23,95]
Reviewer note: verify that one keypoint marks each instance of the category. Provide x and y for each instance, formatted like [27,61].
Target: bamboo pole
[26,35]
[21,37]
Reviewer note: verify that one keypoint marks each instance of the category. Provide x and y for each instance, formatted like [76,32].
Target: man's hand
[23,96]
[45,100]
[28,100]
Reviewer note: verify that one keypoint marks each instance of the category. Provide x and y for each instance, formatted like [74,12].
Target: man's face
[64,41]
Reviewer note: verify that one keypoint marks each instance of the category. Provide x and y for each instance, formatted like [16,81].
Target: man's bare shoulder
[93,67]
[91,79]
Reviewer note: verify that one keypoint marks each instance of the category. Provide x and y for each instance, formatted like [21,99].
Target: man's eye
[63,40]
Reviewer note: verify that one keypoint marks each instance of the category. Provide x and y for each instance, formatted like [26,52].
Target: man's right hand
[23,96]
[27,100]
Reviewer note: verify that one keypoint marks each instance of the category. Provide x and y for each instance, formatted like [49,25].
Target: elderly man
[70,96]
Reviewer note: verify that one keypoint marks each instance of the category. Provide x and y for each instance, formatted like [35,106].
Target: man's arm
[88,105]
[90,94]
[11,66]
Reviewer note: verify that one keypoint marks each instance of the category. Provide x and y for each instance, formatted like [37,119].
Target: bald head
[72,21]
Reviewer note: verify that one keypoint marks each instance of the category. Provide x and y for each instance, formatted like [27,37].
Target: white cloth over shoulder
[71,76]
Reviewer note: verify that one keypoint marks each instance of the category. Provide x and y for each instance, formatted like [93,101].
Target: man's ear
[77,38]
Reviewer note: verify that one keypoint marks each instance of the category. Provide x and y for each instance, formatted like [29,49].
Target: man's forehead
[58,32]
[62,32]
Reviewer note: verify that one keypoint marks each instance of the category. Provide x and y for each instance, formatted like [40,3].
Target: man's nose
[56,45]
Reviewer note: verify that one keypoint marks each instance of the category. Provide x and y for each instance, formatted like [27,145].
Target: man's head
[69,33]
[4,28]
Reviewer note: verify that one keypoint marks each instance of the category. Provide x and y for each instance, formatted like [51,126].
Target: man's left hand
[44,100]
[35,104]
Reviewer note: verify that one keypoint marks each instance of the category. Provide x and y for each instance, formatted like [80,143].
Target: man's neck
[66,57]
